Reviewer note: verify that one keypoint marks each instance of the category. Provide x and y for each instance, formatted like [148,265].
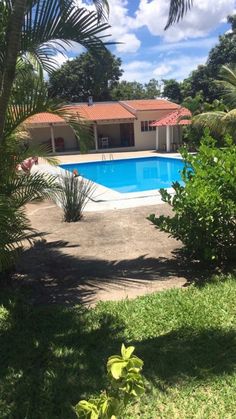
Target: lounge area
[115,135]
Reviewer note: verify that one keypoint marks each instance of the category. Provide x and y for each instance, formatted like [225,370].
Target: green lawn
[51,357]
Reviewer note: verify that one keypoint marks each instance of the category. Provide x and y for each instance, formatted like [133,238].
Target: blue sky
[147,51]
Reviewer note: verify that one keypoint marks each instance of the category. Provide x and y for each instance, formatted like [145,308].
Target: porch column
[95,131]
[168,136]
[157,138]
[52,139]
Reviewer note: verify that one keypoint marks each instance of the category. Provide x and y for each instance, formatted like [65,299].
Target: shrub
[74,195]
[126,383]
[17,189]
[205,208]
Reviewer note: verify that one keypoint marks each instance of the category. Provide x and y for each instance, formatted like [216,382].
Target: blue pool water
[131,175]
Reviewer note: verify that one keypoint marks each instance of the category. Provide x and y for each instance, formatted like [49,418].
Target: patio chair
[105,142]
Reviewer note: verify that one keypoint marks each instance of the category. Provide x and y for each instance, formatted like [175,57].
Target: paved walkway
[106,256]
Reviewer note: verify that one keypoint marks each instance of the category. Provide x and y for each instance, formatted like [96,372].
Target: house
[124,125]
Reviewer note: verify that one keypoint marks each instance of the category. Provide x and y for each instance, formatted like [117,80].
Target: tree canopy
[86,75]
[200,84]
[126,90]
[203,78]
[172,90]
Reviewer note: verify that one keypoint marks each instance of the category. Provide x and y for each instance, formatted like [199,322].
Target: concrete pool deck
[105,199]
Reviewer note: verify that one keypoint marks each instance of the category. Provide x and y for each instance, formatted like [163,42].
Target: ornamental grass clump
[205,207]
[75,193]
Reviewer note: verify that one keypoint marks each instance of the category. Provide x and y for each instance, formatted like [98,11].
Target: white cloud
[121,25]
[204,16]
[129,43]
[202,43]
[178,67]
[182,65]
[162,70]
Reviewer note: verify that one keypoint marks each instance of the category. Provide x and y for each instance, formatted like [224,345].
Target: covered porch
[51,131]
[169,130]
[113,135]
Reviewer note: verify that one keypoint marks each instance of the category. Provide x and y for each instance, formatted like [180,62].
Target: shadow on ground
[55,275]
[51,357]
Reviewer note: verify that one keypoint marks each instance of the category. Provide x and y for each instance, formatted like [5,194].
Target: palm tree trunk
[13,37]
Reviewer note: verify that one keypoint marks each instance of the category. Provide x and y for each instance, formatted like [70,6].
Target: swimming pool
[131,175]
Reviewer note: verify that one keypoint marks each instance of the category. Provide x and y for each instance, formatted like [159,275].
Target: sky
[147,50]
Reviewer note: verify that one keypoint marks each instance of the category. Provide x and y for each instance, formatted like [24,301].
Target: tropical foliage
[204,204]
[32,32]
[222,121]
[16,190]
[126,384]
[47,27]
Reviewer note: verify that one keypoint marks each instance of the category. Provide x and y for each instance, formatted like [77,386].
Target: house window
[151,128]
[145,126]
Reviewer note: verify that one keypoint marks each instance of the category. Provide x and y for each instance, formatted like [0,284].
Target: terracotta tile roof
[102,111]
[105,111]
[173,118]
[44,118]
[150,105]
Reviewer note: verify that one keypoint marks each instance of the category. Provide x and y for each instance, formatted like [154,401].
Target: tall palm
[220,121]
[40,28]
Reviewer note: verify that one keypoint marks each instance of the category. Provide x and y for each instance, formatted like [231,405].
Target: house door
[127,135]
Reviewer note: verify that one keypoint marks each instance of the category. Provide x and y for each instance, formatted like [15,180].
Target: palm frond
[29,96]
[229,120]
[102,7]
[14,230]
[22,188]
[48,22]
[228,85]
[212,120]
[22,107]
[178,8]
[81,127]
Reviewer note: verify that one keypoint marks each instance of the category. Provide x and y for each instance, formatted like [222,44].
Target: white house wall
[147,140]
[42,135]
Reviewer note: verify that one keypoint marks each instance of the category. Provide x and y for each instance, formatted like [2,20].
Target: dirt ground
[106,256]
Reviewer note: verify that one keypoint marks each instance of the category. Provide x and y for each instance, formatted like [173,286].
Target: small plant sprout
[126,385]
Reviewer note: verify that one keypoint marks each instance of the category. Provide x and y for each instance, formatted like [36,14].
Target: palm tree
[32,30]
[39,28]
[222,122]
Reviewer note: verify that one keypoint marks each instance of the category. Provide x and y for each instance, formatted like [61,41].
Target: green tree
[172,90]
[28,31]
[200,81]
[128,90]
[203,78]
[225,51]
[152,89]
[204,208]
[86,75]
[222,121]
